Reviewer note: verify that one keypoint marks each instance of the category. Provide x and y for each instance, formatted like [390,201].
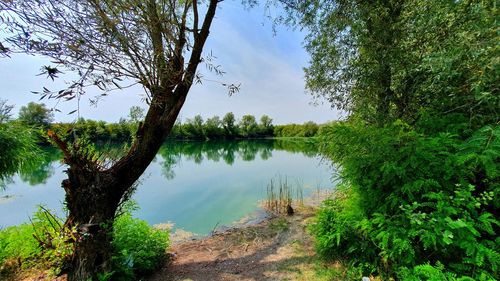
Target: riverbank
[279,248]
[276,248]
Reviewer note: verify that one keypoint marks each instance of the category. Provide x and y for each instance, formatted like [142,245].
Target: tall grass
[281,195]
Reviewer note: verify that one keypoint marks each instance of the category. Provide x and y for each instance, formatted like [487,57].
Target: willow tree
[155,43]
[353,46]
[398,59]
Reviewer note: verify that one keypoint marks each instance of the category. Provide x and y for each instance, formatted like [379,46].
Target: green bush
[41,244]
[139,249]
[308,129]
[414,199]
[17,242]
[19,149]
[45,243]
[337,232]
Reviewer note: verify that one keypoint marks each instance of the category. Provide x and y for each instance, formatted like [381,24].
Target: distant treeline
[197,128]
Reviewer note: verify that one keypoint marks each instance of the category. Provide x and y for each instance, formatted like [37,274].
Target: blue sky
[268,66]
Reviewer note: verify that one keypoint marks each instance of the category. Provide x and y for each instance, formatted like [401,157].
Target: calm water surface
[194,185]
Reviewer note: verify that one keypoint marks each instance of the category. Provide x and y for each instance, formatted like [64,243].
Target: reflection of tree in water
[248,150]
[308,147]
[42,169]
[172,153]
[266,154]
[170,160]
[227,151]
[39,172]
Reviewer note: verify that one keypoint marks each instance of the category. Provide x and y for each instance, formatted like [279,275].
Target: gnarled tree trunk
[93,192]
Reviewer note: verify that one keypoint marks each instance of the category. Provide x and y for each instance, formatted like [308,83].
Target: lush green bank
[44,244]
[420,150]
[413,205]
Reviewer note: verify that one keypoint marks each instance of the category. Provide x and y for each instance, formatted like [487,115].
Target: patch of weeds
[279,225]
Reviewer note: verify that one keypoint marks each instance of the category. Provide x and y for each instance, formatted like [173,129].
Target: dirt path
[277,249]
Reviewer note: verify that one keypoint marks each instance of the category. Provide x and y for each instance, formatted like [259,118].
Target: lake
[196,186]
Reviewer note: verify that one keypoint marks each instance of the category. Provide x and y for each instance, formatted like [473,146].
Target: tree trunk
[94,192]
[92,255]
[92,202]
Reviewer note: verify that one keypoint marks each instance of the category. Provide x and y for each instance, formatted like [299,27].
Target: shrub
[337,231]
[414,200]
[45,243]
[17,242]
[41,244]
[139,249]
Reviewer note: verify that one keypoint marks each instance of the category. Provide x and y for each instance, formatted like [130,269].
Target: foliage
[138,248]
[265,125]
[388,60]
[414,199]
[196,128]
[136,114]
[248,126]
[17,242]
[5,110]
[42,244]
[214,128]
[228,123]
[19,149]
[95,131]
[36,115]
[308,129]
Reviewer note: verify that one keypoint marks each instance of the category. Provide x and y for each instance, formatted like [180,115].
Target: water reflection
[196,185]
[172,152]
[228,151]
[41,171]
[38,172]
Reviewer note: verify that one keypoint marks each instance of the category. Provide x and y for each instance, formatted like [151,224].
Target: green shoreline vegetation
[214,128]
[418,153]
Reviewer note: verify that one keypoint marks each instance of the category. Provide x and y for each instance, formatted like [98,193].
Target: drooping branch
[165,107]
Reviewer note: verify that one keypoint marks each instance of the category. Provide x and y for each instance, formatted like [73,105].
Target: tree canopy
[383,60]
[5,110]
[35,114]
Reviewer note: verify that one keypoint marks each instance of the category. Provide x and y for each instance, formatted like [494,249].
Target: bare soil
[277,249]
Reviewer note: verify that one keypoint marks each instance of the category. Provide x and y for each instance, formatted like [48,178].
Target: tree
[5,110]
[266,125]
[36,114]
[310,129]
[136,114]
[248,126]
[385,60]
[213,127]
[228,122]
[194,127]
[157,44]
[352,46]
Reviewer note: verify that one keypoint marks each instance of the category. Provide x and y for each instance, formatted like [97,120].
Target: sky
[267,64]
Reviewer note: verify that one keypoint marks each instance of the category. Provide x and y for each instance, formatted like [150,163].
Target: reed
[281,195]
